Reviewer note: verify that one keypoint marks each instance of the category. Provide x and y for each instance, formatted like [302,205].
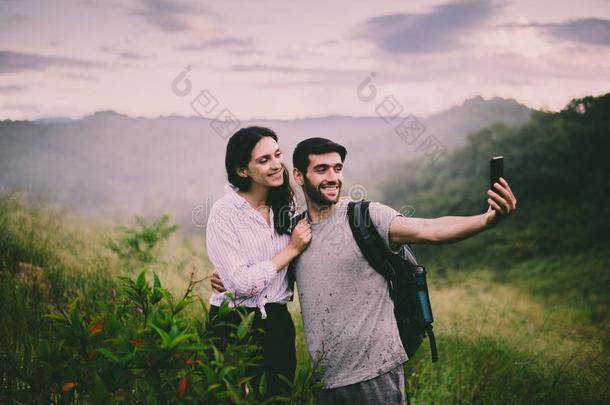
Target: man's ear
[298,176]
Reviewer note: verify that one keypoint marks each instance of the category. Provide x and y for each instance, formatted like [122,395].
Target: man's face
[324,178]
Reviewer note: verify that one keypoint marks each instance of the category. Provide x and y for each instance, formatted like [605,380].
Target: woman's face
[266,165]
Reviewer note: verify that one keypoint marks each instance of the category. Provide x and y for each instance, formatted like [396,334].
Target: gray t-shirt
[348,315]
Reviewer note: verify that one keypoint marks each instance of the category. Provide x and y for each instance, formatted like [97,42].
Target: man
[348,315]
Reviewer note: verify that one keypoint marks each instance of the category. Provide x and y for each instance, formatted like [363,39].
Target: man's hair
[314,146]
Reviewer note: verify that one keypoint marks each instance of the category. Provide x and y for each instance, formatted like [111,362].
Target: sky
[277,59]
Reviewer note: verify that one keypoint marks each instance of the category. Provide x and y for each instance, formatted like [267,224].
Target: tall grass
[501,344]
[44,263]
[536,332]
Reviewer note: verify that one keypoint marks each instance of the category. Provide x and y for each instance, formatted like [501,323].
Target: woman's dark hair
[314,146]
[239,152]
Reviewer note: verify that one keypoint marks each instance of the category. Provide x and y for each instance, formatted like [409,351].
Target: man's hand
[216,283]
[501,204]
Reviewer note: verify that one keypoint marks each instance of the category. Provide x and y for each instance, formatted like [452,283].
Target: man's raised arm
[451,229]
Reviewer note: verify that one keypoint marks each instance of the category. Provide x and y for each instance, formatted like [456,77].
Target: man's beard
[316,195]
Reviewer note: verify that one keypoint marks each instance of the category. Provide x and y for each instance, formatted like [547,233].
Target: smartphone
[496,170]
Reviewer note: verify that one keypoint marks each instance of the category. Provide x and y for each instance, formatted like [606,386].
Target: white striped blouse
[240,246]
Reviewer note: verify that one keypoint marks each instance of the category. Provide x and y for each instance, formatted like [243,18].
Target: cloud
[169,15]
[268,68]
[11,89]
[11,62]
[289,77]
[592,31]
[229,43]
[78,76]
[441,29]
[292,84]
[101,3]
[130,55]
[245,51]
[291,70]
[123,54]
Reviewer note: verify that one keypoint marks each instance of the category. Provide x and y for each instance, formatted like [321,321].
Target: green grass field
[537,332]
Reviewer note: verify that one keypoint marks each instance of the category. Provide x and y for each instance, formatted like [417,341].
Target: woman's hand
[299,240]
[301,235]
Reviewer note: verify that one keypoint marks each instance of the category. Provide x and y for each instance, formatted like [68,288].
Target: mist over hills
[557,169]
[108,164]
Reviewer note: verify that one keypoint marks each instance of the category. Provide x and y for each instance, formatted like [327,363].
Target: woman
[250,245]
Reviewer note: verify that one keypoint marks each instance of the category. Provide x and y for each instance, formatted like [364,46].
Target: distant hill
[475,113]
[110,163]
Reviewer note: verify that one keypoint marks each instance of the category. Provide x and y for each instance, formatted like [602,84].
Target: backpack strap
[291,276]
[368,239]
[432,339]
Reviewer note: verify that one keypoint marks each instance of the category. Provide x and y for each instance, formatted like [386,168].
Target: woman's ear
[242,172]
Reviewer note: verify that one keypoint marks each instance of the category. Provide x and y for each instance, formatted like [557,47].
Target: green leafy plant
[138,246]
[144,349]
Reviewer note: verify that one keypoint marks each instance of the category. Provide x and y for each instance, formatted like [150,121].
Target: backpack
[406,280]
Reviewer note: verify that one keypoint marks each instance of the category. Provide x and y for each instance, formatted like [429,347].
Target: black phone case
[496,170]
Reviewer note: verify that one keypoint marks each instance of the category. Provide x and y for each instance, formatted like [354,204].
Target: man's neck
[318,212]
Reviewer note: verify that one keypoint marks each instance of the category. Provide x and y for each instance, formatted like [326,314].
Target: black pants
[275,335]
